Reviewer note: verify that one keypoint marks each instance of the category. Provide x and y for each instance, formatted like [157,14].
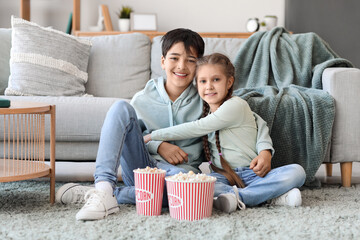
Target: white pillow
[46,62]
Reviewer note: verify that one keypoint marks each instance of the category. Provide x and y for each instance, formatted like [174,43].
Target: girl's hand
[261,165]
[147,138]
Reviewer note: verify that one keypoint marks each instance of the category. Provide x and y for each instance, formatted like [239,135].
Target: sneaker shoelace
[240,204]
[79,194]
[95,198]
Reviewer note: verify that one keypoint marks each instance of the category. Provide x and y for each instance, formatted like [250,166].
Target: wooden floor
[336,178]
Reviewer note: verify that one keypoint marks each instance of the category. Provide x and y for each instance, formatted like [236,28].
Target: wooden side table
[22,148]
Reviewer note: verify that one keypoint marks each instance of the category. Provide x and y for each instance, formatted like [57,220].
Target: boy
[162,103]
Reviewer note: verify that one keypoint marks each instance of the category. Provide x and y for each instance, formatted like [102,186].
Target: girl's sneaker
[292,198]
[229,202]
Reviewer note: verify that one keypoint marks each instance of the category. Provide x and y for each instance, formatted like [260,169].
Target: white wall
[198,15]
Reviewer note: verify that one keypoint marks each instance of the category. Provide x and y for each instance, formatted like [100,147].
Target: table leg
[52,154]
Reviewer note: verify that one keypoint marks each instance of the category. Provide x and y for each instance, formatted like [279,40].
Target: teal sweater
[238,132]
[155,110]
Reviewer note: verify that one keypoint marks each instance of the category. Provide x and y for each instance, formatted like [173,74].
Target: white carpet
[327,213]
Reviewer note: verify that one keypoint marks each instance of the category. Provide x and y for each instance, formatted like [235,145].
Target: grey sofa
[120,65]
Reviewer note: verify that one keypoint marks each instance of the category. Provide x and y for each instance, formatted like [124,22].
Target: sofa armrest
[343,84]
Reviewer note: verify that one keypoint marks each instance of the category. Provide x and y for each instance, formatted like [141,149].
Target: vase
[124,24]
[270,22]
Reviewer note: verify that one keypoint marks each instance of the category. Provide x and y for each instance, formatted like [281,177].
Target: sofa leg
[346,172]
[328,169]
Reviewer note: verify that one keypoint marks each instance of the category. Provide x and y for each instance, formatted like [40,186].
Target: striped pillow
[46,62]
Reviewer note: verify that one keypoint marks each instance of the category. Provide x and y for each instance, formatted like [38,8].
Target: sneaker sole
[96,215]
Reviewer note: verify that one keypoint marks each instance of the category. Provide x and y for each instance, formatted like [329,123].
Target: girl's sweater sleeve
[264,141]
[228,114]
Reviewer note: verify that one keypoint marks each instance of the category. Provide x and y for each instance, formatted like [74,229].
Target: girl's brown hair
[229,70]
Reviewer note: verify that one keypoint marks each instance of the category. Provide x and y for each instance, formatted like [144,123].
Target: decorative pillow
[119,65]
[47,62]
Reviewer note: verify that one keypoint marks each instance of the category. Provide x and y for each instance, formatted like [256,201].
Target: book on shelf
[69,25]
[4,103]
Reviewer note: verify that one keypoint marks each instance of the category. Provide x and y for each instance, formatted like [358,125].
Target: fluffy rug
[327,213]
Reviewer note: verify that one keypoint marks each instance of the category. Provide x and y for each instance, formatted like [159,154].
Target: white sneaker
[229,202]
[71,193]
[98,205]
[292,198]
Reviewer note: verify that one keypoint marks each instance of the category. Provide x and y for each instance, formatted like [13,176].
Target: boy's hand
[147,138]
[261,165]
[172,153]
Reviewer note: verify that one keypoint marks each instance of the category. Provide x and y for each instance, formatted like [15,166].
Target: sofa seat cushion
[119,65]
[77,118]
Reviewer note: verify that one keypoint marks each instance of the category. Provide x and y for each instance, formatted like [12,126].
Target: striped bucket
[190,200]
[149,189]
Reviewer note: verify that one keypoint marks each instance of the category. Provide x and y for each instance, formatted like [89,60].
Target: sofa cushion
[119,65]
[77,118]
[5,46]
[46,62]
[227,46]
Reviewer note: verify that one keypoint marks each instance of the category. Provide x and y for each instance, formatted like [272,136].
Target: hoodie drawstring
[171,117]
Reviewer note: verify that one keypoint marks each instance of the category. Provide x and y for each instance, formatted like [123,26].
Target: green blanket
[279,74]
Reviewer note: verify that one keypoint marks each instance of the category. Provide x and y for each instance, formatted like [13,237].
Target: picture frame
[143,22]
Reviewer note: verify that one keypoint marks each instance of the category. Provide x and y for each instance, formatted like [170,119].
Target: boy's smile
[180,67]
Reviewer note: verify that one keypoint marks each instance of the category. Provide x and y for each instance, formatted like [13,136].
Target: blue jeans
[121,143]
[258,190]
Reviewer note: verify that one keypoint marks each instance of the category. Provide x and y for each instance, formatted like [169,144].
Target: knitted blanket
[279,74]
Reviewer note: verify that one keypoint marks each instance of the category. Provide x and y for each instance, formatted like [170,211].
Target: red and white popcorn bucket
[149,189]
[189,200]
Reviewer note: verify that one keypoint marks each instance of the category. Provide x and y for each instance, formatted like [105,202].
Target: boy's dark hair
[190,39]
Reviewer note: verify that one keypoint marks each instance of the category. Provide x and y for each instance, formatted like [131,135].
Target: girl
[230,133]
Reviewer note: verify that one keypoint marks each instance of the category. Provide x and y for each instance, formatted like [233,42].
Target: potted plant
[124,18]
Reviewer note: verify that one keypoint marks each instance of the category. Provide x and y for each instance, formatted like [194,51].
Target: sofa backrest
[120,65]
[226,46]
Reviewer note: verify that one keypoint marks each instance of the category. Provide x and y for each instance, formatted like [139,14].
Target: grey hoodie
[155,110]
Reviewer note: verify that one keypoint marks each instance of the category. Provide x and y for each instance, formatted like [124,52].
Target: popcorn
[149,170]
[191,177]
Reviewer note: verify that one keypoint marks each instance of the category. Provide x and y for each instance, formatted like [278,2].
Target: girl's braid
[227,171]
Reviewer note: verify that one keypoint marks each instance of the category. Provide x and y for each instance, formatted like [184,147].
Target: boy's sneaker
[98,205]
[72,193]
[292,198]
[229,202]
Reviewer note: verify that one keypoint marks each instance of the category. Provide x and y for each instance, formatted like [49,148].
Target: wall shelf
[25,14]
